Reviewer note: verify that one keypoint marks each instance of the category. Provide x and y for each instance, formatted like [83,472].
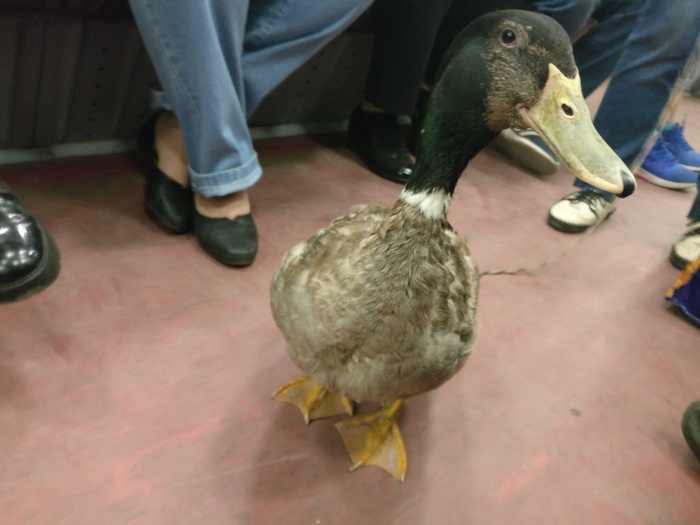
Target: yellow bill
[562,119]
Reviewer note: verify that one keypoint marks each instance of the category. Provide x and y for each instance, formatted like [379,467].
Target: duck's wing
[337,239]
[311,286]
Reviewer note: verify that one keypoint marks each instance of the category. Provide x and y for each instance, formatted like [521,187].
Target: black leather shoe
[376,138]
[231,242]
[415,135]
[29,259]
[167,203]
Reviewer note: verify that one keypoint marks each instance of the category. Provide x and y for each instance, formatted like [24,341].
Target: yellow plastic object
[685,293]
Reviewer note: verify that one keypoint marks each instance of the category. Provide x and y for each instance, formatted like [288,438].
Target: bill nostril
[568,110]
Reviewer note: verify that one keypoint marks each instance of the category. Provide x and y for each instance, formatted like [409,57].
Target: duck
[381,305]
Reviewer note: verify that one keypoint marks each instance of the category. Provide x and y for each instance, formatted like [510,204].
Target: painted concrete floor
[137,388]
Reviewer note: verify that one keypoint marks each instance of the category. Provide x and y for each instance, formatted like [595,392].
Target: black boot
[415,135]
[376,138]
[29,259]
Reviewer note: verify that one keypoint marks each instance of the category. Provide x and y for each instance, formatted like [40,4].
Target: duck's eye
[508,37]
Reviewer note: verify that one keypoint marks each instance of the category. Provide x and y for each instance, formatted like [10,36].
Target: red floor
[137,388]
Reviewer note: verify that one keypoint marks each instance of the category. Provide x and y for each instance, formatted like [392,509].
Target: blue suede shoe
[675,141]
[661,167]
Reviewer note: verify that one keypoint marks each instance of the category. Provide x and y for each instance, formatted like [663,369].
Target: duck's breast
[377,313]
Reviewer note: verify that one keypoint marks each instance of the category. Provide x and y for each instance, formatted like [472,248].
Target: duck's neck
[453,136]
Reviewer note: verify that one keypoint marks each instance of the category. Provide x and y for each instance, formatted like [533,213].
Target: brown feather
[380,305]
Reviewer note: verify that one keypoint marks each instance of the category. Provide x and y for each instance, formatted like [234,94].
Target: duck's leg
[312,399]
[374,439]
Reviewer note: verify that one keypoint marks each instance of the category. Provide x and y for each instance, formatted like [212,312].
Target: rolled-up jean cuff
[228,181]
[159,100]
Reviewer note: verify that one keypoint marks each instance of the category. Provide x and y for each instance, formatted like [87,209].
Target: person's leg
[571,14]
[404,36]
[404,32]
[644,76]
[598,51]
[195,48]
[641,84]
[280,36]
[654,53]
[283,34]
[216,61]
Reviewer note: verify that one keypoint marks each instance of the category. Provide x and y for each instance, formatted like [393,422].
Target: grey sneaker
[580,211]
[525,149]
[687,248]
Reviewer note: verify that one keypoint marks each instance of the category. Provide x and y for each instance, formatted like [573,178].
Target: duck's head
[514,69]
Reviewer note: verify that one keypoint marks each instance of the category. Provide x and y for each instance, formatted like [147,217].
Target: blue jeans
[217,60]
[642,45]
[572,15]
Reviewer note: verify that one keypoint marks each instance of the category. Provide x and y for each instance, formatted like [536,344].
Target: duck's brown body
[380,305]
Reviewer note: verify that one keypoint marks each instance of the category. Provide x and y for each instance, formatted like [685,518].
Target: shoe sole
[677,261]
[696,169]
[235,262]
[658,181]
[566,227]
[523,153]
[40,278]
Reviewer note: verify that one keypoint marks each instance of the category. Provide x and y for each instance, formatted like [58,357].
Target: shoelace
[661,153]
[675,135]
[589,197]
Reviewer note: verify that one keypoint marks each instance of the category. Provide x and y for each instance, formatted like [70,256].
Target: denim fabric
[572,15]
[218,59]
[649,42]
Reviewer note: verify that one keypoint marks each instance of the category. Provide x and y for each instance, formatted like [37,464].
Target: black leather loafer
[29,259]
[415,135]
[231,242]
[376,138]
[167,203]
